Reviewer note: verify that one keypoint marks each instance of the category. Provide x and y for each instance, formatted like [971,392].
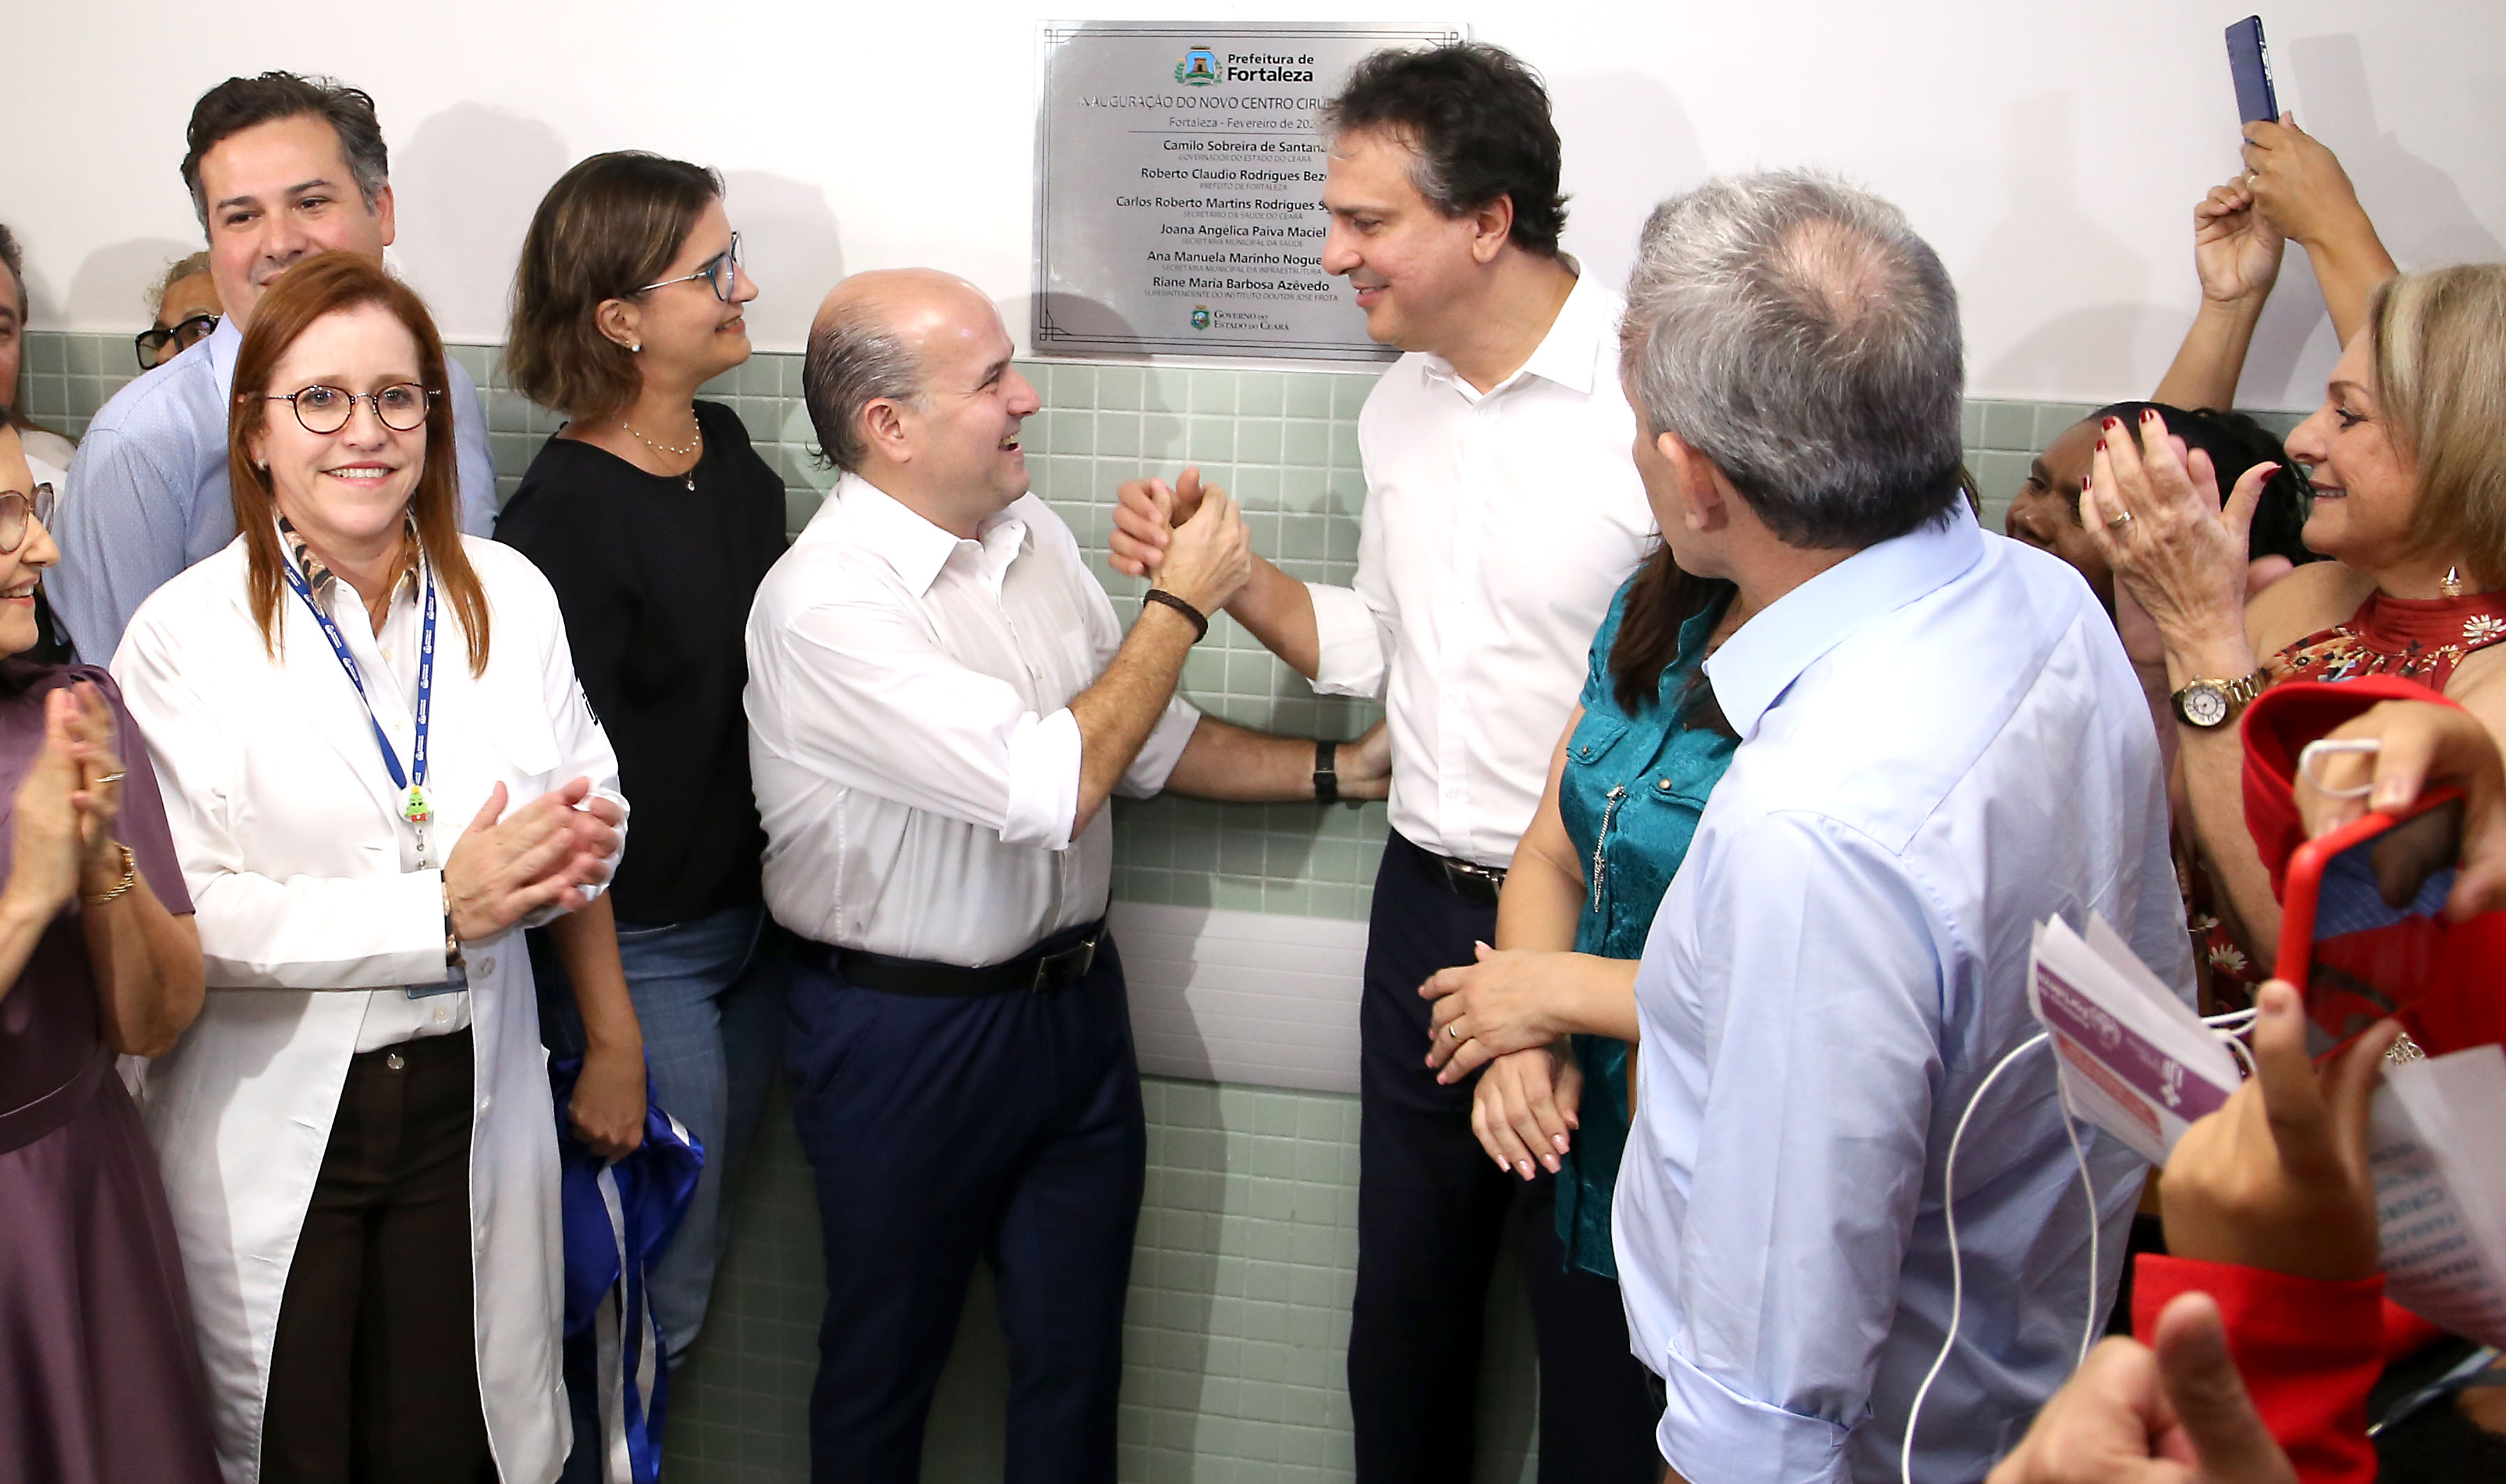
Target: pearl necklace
[671,450]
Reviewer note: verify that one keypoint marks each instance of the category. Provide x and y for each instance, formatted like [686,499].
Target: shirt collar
[323,581]
[225,343]
[1760,662]
[1569,354]
[908,542]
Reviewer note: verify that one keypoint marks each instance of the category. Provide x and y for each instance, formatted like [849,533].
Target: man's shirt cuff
[1348,643]
[1712,1434]
[1044,781]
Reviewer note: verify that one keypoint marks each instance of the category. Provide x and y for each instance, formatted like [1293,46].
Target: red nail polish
[2110,424]
[2102,446]
[2084,482]
[2149,415]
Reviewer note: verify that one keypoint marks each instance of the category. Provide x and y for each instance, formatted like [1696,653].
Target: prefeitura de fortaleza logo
[1199,67]
[1200,316]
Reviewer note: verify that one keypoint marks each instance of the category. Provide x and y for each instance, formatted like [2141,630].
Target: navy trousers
[1431,1209]
[940,1130]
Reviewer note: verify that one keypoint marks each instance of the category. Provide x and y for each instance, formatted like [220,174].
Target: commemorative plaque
[1179,189]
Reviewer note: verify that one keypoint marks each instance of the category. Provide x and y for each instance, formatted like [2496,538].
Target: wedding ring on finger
[1453,1029]
[116,776]
[2120,521]
[2325,746]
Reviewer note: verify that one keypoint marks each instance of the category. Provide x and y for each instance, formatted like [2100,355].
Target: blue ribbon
[411,784]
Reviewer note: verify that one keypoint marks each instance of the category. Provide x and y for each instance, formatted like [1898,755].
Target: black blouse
[655,581]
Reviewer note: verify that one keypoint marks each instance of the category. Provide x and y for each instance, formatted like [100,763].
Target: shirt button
[1663,784]
[443,1016]
[394,1061]
[488,964]
[486,1102]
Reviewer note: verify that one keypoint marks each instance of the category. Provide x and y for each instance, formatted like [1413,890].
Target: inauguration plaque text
[1179,189]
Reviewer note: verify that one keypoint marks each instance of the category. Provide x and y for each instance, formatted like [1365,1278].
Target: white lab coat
[288,829]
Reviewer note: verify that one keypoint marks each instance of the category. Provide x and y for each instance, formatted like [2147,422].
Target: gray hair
[1798,332]
[855,358]
[175,272]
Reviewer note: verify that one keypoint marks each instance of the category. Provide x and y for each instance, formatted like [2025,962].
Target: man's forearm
[1241,765]
[1116,714]
[1278,610]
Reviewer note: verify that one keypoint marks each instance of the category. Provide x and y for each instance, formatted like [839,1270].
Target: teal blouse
[1631,795]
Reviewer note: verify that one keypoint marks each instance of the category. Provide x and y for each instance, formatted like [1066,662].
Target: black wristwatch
[1326,776]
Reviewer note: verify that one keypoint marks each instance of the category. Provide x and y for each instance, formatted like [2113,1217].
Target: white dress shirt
[916,762]
[1942,745]
[1497,527]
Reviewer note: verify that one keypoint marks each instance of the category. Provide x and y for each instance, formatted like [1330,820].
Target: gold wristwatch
[2214,703]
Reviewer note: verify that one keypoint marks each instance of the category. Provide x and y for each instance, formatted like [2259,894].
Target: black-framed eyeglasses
[722,271]
[15,506]
[401,407]
[158,345]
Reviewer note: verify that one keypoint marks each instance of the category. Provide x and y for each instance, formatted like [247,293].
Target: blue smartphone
[2249,63]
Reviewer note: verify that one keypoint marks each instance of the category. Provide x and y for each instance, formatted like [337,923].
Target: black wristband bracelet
[1199,620]
[1326,774]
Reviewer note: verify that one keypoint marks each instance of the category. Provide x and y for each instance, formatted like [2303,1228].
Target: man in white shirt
[280,167]
[1501,515]
[1942,745]
[940,703]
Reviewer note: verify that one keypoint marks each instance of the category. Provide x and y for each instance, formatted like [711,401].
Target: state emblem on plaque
[1199,67]
[1200,316]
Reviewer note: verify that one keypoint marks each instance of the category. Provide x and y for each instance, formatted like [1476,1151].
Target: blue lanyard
[414,805]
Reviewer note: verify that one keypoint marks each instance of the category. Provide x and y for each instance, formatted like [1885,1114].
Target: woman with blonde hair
[370,798]
[2409,502]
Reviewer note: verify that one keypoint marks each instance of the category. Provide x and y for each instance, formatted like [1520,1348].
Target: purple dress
[100,1378]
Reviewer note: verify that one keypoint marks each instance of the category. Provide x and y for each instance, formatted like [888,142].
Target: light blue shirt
[1942,745]
[148,495]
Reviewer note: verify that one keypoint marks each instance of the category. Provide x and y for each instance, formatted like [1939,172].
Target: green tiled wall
[1237,1317]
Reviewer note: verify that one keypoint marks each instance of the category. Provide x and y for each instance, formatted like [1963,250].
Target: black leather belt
[1056,963]
[1466,879]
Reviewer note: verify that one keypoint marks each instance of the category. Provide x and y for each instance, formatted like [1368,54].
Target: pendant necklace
[672,450]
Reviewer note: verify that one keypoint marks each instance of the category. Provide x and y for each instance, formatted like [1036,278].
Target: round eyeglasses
[156,346]
[402,406]
[15,506]
[722,271]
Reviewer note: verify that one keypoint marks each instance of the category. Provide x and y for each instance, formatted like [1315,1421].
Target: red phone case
[2445,981]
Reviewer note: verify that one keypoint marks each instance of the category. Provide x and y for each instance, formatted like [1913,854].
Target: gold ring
[2120,521]
[115,777]
[1453,1030]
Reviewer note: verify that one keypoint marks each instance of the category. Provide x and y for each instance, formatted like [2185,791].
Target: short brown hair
[240,103]
[2439,341]
[605,230]
[322,285]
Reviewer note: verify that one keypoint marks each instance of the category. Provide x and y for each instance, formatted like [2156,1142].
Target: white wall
[2052,152]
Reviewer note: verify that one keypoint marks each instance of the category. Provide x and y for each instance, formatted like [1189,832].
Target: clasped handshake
[1188,537]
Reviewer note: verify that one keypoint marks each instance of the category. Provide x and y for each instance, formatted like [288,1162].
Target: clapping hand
[65,807]
[2153,509]
[543,855]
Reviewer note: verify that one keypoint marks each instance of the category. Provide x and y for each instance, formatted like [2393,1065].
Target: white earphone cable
[2228,1026]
